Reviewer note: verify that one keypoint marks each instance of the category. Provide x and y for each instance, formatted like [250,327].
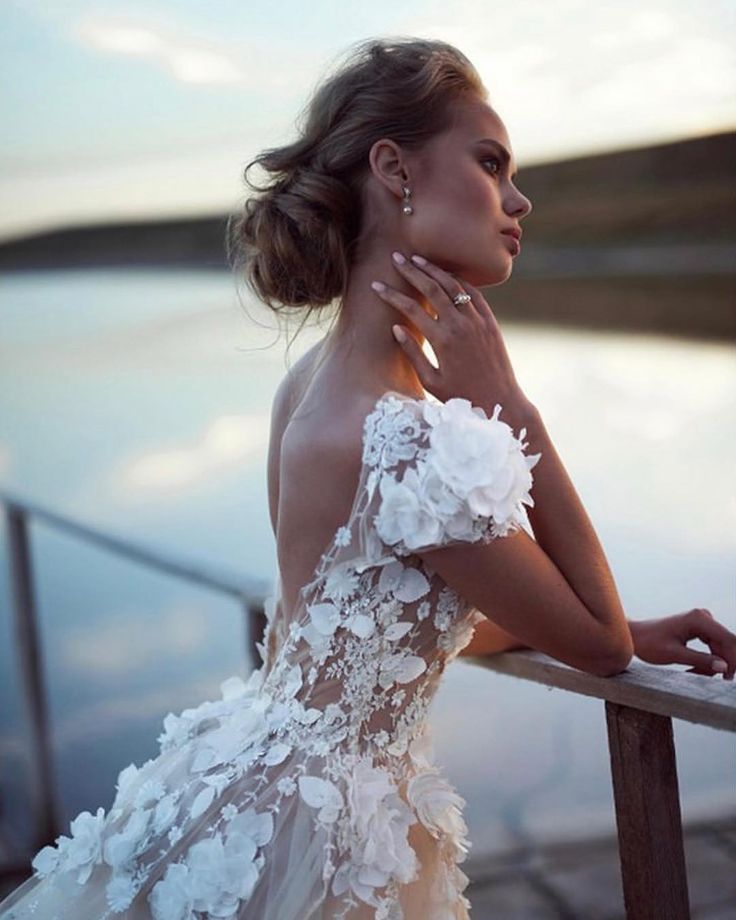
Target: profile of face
[463,196]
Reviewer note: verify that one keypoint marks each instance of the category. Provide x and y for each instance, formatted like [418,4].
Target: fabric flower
[402,514]
[469,476]
[120,892]
[122,847]
[438,806]
[400,668]
[170,898]
[323,794]
[380,849]
[221,873]
[82,851]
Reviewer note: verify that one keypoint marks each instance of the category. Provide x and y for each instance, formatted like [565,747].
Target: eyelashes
[493,160]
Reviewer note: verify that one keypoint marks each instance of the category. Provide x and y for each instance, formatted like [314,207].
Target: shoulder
[292,386]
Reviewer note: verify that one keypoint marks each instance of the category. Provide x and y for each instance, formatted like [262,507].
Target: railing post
[646,795]
[29,654]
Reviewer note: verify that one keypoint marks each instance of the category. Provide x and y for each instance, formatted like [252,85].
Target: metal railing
[249,593]
[640,704]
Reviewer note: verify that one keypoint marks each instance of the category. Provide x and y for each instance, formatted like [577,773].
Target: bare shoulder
[292,386]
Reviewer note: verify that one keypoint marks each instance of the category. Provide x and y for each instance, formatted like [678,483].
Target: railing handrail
[215,577]
[665,691]
[652,688]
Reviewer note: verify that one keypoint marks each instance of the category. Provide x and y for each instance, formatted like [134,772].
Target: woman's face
[463,197]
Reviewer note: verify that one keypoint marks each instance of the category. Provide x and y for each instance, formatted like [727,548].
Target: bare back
[314,462]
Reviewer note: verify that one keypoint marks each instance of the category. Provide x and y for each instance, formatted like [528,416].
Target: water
[139,401]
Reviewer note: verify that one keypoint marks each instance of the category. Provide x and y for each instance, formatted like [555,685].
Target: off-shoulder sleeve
[438,473]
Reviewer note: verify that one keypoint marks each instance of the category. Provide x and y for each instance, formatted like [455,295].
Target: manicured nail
[378,285]
[419,260]
[719,665]
[399,333]
[399,258]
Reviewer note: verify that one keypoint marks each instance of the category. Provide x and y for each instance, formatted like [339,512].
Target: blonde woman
[401,501]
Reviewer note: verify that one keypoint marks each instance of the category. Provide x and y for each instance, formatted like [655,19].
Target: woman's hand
[664,641]
[466,338]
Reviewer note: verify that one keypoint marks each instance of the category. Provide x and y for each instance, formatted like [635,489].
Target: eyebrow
[503,152]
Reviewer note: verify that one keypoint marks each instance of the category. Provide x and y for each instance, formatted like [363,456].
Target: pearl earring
[407,209]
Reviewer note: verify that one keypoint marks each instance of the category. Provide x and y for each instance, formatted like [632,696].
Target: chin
[486,275]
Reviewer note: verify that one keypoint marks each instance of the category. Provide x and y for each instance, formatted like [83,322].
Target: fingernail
[719,665]
[419,260]
[399,333]
[378,285]
[399,258]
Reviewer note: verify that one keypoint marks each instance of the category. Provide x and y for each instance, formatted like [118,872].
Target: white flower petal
[361,625]
[325,618]
[202,802]
[410,668]
[412,586]
[397,630]
[318,792]
[277,753]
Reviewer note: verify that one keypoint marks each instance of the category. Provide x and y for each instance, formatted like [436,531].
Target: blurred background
[135,389]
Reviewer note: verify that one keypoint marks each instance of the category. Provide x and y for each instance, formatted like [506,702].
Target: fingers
[701,624]
[409,307]
[439,287]
[426,371]
[479,302]
[703,662]
[448,282]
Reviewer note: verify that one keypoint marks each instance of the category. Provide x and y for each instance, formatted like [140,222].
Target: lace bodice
[336,722]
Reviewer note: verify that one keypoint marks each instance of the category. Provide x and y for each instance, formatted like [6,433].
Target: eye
[493,160]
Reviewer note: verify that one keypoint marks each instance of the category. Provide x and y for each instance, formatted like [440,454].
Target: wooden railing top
[664,690]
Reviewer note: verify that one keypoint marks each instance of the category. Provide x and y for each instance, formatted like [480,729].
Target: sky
[137,110]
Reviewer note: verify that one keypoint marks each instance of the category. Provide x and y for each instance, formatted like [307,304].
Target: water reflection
[141,401]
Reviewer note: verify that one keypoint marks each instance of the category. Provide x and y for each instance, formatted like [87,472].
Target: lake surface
[139,400]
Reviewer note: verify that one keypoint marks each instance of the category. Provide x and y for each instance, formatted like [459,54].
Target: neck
[361,342]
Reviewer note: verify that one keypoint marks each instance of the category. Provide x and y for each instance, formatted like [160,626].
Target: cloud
[132,640]
[227,442]
[104,719]
[192,59]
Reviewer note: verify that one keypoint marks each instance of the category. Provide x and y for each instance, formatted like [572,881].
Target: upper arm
[450,486]
[517,585]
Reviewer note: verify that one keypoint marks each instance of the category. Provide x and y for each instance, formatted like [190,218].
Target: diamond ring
[460,298]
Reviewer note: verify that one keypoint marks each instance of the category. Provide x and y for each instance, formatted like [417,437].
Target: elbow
[616,662]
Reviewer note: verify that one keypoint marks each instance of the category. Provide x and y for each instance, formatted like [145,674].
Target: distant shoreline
[637,240]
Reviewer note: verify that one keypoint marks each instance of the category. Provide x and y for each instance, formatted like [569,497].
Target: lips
[513,243]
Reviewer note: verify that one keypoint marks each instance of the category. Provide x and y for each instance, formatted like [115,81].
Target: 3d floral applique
[468,481]
[438,806]
[379,819]
[78,853]
[217,872]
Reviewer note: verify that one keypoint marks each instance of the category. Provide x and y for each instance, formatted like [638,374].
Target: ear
[388,164]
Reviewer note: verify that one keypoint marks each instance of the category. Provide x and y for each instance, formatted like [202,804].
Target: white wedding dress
[309,791]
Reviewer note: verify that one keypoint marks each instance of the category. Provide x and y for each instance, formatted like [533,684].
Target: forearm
[490,639]
[563,529]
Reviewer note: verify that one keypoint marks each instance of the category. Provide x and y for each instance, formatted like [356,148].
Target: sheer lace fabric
[309,791]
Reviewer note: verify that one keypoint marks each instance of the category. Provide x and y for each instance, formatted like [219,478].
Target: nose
[523,207]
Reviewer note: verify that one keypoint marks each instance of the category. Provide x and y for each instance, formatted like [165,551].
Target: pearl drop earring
[407,209]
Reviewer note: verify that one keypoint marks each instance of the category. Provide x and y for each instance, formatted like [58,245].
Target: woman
[401,526]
